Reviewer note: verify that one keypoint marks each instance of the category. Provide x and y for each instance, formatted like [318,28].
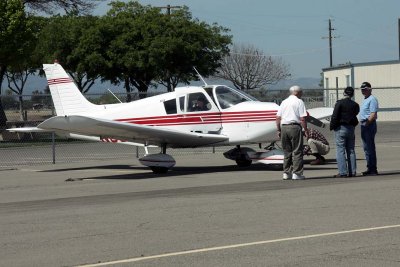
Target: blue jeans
[368,133]
[345,154]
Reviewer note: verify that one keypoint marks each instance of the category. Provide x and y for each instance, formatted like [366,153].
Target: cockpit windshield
[228,97]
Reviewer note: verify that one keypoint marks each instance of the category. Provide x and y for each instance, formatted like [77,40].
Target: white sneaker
[298,176]
[287,176]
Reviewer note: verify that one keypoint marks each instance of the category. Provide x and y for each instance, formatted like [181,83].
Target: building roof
[350,65]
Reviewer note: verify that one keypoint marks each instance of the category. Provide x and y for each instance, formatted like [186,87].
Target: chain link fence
[43,148]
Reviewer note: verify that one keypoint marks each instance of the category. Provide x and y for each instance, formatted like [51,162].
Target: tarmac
[205,212]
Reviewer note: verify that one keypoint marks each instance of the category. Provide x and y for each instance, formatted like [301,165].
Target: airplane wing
[150,135]
[320,113]
[74,136]
[315,116]
[27,130]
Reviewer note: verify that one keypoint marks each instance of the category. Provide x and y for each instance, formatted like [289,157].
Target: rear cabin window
[170,106]
[182,103]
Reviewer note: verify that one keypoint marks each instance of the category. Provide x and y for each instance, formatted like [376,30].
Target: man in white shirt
[290,120]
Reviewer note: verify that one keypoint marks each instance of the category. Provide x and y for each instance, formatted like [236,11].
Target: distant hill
[305,83]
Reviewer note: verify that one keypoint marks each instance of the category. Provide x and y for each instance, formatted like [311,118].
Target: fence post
[53,145]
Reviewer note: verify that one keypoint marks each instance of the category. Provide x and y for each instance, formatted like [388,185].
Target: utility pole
[169,83]
[330,42]
[169,7]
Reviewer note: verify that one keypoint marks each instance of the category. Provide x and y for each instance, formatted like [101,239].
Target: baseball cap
[365,85]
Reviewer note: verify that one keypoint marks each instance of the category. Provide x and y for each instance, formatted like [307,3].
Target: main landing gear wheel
[243,162]
[158,170]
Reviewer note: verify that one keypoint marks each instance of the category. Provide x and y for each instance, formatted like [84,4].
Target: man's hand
[306,134]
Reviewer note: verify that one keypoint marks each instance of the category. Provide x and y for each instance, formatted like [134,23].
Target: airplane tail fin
[67,98]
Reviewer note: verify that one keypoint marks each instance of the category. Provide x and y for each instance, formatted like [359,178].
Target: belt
[293,123]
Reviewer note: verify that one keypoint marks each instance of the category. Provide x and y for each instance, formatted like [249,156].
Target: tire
[159,170]
[243,162]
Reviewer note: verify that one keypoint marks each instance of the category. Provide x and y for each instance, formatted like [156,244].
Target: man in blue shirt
[368,116]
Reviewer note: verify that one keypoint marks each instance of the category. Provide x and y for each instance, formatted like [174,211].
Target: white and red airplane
[176,119]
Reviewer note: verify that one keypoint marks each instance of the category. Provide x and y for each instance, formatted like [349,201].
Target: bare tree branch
[48,6]
[248,68]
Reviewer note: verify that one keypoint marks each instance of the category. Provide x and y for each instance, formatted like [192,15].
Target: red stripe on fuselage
[204,118]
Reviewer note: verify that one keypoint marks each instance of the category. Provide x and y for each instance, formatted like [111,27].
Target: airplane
[227,117]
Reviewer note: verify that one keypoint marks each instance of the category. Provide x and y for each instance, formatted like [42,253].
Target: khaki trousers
[292,146]
[318,147]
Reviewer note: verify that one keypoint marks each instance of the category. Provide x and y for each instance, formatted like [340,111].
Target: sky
[294,30]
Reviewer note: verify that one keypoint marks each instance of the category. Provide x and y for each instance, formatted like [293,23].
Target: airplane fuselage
[246,122]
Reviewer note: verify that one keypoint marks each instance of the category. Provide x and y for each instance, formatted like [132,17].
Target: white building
[384,77]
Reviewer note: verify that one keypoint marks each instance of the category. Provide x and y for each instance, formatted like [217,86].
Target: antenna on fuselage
[114,95]
[201,77]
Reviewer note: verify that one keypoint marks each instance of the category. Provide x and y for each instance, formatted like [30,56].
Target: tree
[134,27]
[138,45]
[8,100]
[185,43]
[19,71]
[14,33]
[118,46]
[60,39]
[248,68]
[16,83]
[48,6]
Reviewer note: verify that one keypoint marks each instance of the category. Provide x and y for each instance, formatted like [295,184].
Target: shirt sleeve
[302,109]
[373,107]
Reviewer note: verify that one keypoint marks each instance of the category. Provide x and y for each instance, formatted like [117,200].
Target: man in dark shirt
[343,122]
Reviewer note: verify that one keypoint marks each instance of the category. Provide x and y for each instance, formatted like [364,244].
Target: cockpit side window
[198,102]
[170,106]
[228,97]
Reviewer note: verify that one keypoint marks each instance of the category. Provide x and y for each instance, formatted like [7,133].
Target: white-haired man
[290,120]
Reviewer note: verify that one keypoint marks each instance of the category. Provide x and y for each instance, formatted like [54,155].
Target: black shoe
[340,176]
[317,162]
[369,173]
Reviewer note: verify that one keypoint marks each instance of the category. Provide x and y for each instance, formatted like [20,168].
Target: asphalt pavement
[204,212]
